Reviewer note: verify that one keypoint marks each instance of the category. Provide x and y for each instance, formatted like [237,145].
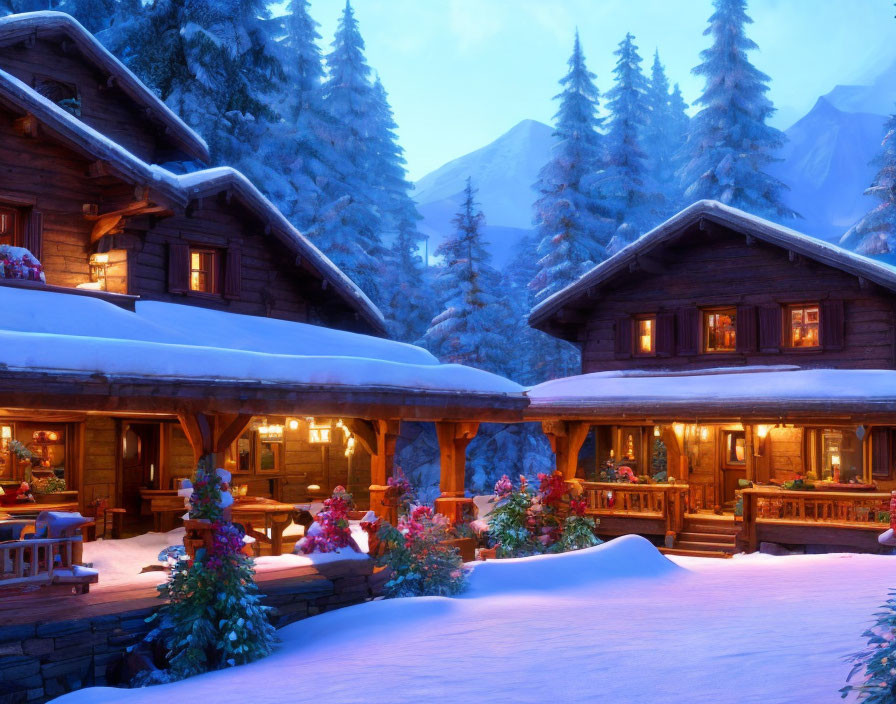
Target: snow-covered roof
[56,333]
[181,188]
[17,27]
[757,391]
[732,218]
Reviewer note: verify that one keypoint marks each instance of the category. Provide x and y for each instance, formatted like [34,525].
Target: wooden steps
[706,535]
[695,553]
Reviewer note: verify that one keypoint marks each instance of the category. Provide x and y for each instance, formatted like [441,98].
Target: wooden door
[139,463]
[734,466]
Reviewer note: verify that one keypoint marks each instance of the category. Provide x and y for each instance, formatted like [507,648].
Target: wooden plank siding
[727,271]
[107,109]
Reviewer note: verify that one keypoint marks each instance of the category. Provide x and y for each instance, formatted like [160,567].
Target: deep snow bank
[630,556]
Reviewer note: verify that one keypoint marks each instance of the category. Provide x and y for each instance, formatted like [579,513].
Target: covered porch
[725,459]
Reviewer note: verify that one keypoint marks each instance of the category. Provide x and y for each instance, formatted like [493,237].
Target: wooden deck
[46,605]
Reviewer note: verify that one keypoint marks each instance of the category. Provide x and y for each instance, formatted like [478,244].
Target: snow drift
[630,556]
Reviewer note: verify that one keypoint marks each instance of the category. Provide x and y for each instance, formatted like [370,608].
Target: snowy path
[752,629]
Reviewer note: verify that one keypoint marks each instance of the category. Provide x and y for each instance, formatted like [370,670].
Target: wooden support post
[453,440]
[378,438]
[567,438]
[211,435]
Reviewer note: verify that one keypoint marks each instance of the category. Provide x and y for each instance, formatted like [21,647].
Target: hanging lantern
[319,432]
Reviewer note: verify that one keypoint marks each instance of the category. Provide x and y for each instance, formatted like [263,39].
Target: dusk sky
[461,72]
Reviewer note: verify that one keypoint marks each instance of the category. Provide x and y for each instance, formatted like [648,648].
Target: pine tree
[875,233]
[622,184]
[729,143]
[406,301]
[218,67]
[95,15]
[573,234]
[348,228]
[307,156]
[469,328]
[663,137]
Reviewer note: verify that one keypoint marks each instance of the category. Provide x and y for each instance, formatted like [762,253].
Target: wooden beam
[228,427]
[200,434]
[566,438]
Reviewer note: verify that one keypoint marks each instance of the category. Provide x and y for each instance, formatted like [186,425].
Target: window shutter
[233,275]
[34,234]
[746,329]
[770,323]
[880,452]
[665,334]
[178,267]
[832,323]
[688,331]
[623,337]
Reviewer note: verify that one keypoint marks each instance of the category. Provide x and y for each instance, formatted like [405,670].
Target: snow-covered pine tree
[308,156]
[876,664]
[623,185]
[469,330]
[218,67]
[95,15]
[729,143]
[572,233]
[406,299]
[348,228]
[679,123]
[875,233]
[663,138]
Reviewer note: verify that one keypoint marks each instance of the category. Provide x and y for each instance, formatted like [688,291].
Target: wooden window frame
[787,335]
[726,460]
[18,237]
[636,342]
[215,289]
[704,329]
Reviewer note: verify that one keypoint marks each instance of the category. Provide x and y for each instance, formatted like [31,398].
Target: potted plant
[51,489]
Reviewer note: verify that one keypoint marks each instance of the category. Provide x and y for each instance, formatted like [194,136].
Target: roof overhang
[50,25]
[780,394]
[699,214]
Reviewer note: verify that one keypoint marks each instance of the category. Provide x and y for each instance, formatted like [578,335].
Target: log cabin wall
[107,109]
[38,175]
[270,284]
[722,269]
[101,440]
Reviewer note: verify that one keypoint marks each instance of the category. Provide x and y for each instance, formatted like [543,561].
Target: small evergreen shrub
[213,618]
[878,661]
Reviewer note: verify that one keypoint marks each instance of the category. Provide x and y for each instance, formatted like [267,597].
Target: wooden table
[27,509]
[275,515]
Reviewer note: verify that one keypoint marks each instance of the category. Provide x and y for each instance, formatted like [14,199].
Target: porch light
[293,424]
[5,432]
[762,431]
[704,433]
[350,446]
[313,487]
[656,431]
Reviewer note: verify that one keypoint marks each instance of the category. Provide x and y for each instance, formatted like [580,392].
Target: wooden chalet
[182,314]
[736,367]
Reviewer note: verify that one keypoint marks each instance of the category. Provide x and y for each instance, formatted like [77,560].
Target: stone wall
[39,661]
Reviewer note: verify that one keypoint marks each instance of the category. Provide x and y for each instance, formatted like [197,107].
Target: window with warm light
[803,321]
[10,227]
[204,267]
[645,331]
[720,330]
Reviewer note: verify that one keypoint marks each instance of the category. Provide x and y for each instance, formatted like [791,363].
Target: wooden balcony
[845,518]
[654,509]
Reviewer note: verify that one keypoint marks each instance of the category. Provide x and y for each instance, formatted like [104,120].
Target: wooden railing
[34,561]
[652,501]
[834,509]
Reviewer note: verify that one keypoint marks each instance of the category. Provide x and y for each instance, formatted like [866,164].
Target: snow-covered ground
[122,561]
[617,623]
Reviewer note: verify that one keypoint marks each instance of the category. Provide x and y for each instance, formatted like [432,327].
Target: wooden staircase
[706,535]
